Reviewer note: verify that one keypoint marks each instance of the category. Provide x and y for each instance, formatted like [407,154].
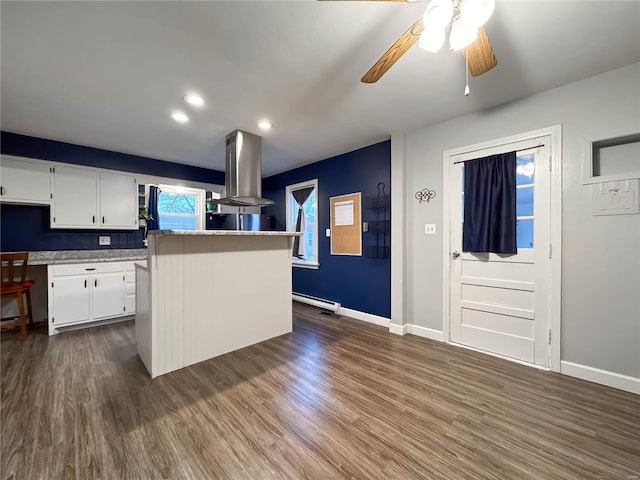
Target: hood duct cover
[243,172]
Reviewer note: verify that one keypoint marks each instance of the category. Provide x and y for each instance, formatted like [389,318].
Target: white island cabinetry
[203,294]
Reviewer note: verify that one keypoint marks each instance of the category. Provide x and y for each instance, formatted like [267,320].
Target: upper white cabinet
[118,201]
[75,197]
[88,198]
[25,181]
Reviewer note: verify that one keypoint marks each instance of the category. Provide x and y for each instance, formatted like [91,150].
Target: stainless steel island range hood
[243,173]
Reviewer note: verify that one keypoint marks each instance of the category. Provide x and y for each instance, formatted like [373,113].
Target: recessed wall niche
[611,159]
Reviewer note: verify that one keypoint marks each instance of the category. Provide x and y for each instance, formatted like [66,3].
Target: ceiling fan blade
[392,55]
[480,54]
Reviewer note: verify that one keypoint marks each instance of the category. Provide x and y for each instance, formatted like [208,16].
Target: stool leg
[23,320]
[30,307]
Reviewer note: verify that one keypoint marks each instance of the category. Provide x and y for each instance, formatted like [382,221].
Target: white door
[75,198]
[501,303]
[118,201]
[108,295]
[71,299]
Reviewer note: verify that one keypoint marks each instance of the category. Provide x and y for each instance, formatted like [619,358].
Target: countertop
[86,256]
[220,233]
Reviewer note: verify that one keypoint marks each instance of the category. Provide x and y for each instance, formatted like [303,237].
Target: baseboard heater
[317,302]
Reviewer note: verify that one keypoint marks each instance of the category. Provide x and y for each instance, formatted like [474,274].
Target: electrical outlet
[429,228]
[327,232]
[104,241]
[365,226]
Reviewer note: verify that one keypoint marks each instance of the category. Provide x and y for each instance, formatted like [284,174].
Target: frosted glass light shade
[476,12]
[438,14]
[462,34]
[431,40]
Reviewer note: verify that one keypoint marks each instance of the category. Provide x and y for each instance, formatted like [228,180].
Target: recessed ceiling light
[194,99]
[265,125]
[179,117]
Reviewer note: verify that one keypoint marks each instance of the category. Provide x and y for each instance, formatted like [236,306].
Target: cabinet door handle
[85,284]
[93,219]
[95,282]
[2,190]
[90,269]
[103,220]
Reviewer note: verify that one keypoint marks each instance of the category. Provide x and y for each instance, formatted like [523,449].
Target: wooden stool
[15,285]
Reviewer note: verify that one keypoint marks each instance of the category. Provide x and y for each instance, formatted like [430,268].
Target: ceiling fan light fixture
[438,14]
[476,12]
[462,34]
[431,40]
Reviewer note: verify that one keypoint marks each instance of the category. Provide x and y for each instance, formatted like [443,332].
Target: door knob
[455,254]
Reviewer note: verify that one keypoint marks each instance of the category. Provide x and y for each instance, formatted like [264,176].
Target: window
[180,208]
[525,180]
[309,239]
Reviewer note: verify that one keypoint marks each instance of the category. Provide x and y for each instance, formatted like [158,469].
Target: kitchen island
[207,293]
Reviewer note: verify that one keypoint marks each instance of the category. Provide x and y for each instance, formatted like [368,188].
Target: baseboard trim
[603,377]
[365,317]
[398,329]
[425,332]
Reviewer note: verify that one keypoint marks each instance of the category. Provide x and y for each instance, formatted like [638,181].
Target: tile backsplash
[26,227]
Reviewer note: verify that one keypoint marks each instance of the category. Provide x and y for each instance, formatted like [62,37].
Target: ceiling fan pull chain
[466,88]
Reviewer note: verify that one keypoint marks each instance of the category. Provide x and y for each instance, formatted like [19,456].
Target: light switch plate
[327,232]
[104,241]
[429,228]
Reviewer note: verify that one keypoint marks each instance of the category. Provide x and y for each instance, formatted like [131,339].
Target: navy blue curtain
[300,197]
[153,208]
[490,204]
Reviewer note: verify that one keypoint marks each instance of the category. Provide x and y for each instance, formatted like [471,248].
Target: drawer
[86,268]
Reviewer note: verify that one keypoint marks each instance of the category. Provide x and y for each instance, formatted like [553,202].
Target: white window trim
[200,199]
[296,262]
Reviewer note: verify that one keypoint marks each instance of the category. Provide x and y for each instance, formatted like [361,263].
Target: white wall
[601,254]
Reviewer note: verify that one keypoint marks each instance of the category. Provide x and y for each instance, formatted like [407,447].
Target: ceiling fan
[467,34]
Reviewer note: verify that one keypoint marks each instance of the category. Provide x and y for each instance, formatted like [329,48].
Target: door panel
[75,198]
[500,303]
[118,201]
[479,318]
[483,293]
[108,295]
[71,299]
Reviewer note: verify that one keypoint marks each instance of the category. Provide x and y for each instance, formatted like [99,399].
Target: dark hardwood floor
[337,398]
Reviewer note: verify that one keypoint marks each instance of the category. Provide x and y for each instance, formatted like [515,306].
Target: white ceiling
[107,74]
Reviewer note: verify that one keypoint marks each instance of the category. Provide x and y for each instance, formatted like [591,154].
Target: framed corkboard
[346,224]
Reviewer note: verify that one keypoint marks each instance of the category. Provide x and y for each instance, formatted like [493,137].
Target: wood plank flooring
[337,398]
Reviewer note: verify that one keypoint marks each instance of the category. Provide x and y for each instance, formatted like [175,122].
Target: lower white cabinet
[108,295]
[88,292]
[71,299]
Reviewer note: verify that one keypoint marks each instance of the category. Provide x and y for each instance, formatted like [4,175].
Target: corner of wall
[398,211]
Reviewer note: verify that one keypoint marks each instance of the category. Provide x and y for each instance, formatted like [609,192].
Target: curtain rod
[524,149]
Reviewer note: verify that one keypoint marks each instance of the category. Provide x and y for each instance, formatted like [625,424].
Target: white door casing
[507,305]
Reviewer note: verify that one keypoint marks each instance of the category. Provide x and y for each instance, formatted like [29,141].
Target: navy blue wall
[40,148]
[359,283]
[25,227]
